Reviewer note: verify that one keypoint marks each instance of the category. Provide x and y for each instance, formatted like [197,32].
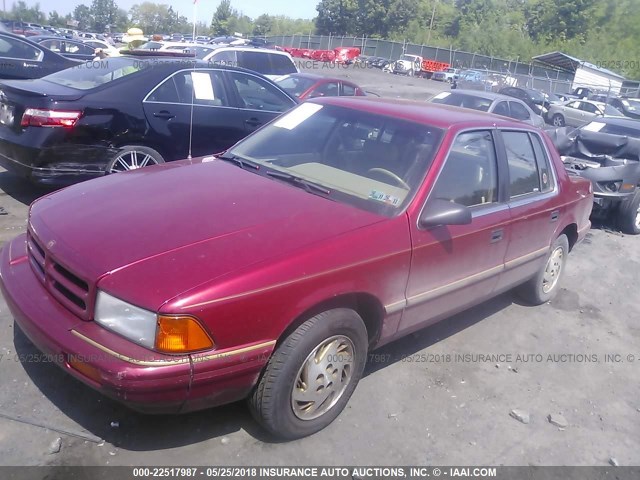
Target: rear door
[533,194]
[259,101]
[193,107]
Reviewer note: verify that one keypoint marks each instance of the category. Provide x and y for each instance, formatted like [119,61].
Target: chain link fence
[526,74]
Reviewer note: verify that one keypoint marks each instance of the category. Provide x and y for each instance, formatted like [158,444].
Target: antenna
[193,88]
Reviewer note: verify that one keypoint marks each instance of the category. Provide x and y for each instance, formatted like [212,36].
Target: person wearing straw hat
[134,38]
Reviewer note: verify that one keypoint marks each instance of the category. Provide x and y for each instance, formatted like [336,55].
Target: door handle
[164,114]
[496,235]
[555,215]
[253,122]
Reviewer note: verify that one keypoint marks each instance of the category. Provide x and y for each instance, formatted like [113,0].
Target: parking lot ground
[437,397]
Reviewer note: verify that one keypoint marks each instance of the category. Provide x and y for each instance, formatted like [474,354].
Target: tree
[337,17]
[56,20]
[105,15]
[20,11]
[82,15]
[157,18]
[263,25]
[221,18]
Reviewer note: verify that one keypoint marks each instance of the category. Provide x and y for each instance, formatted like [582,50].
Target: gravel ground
[433,398]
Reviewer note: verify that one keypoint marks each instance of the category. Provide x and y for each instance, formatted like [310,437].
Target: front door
[456,266]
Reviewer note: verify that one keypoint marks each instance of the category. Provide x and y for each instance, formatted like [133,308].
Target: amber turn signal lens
[181,335]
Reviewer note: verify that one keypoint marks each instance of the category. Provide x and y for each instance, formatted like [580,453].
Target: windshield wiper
[299,182]
[241,162]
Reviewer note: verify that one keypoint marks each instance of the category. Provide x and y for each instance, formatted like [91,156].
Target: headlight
[134,323]
[164,333]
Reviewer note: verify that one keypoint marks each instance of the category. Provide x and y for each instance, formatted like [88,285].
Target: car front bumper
[137,377]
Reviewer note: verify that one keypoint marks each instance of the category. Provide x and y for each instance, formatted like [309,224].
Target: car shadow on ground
[21,189]
[406,346]
[138,432]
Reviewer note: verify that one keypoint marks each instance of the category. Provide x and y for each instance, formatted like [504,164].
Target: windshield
[370,161]
[408,58]
[295,85]
[93,74]
[536,96]
[632,104]
[463,100]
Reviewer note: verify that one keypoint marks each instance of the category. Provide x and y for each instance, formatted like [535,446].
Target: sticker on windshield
[442,95]
[594,127]
[298,115]
[202,88]
[384,198]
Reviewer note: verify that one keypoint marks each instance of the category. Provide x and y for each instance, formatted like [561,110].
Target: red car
[270,271]
[309,85]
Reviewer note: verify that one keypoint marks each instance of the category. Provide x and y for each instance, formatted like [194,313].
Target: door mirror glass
[442,212]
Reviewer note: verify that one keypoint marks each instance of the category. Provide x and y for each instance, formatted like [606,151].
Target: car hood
[204,218]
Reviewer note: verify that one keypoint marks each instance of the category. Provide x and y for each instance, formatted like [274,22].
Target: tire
[558,120]
[544,285]
[629,214]
[411,73]
[279,403]
[132,157]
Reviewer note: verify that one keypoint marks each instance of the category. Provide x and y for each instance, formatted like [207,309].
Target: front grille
[68,288]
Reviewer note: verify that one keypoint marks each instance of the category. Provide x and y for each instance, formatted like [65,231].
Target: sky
[205,8]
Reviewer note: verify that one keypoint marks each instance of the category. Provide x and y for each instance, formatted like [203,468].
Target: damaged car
[607,152]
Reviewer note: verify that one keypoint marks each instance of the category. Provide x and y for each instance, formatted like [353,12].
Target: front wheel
[629,214]
[544,286]
[558,120]
[132,157]
[312,374]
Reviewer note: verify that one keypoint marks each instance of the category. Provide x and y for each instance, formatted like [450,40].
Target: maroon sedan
[308,85]
[270,271]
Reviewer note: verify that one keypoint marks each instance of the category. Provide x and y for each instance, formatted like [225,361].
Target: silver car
[492,103]
[575,113]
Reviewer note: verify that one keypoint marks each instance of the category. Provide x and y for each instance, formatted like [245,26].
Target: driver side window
[469,175]
[256,94]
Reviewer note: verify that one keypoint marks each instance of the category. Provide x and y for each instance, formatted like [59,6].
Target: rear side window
[14,48]
[200,87]
[348,90]
[86,78]
[502,109]
[546,177]
[524,177]
[225,57]
[281,65]
[257,94]
[518,111]
[256,61]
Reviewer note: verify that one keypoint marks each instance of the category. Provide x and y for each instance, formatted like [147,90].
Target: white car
[110,50]
[198,49]
[272,64]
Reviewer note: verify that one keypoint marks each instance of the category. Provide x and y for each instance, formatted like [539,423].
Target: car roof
[432,114]
[488,95]
[249,48]
[315,76]
[622,121]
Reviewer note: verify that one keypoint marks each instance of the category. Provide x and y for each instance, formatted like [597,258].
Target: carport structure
[585,74]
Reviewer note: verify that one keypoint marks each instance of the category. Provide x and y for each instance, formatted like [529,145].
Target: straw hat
[134,35]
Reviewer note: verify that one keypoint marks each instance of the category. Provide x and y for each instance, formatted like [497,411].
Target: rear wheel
[132,157]
[312,374]
[558,120]
[629,214]
[544,286]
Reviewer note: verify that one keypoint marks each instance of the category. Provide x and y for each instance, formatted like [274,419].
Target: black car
[74,49]
[607,152]
[129,112]
[534,99]
[630,107]
[21,58]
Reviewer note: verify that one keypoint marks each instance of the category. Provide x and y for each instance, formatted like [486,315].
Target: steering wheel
[399,181]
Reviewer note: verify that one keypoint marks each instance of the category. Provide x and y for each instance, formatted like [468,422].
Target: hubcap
[557,121]
[131,161]
[638,218]
[552,270]
[323,378]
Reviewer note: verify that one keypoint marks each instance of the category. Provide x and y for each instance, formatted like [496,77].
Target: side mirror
[442,212]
